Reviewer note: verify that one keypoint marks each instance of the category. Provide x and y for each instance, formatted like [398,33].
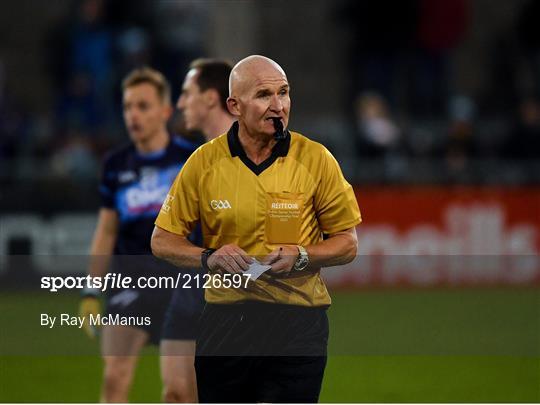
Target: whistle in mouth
[278,125]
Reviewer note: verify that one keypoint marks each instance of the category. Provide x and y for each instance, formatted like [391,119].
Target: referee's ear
[232,105]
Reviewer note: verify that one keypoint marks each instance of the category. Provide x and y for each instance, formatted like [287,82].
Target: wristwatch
[205,254]
[302,260]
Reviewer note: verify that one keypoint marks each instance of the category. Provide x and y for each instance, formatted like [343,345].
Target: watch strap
[205,254]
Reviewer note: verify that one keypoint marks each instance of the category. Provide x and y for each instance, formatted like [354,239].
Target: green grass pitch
[385,346]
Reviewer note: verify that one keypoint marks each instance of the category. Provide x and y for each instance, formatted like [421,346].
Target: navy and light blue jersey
[135,185]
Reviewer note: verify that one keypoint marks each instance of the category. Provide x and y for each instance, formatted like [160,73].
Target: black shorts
[183,314]
[257,352]
[141,303]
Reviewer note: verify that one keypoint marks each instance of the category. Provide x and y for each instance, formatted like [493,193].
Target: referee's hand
[229,259]
[281,259]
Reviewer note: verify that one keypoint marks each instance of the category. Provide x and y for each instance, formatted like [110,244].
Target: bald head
[246,73]
[258,95]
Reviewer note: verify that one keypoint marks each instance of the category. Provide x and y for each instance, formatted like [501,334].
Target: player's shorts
[257,352]
[140,304]
[183,314]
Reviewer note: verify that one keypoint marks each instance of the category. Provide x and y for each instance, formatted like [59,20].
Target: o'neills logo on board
[285,206]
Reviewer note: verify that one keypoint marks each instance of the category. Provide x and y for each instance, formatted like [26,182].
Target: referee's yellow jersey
[294,197]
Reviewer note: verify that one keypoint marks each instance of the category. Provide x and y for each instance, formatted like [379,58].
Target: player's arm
[103,242]
[100,255]
[178,250]
[339,248]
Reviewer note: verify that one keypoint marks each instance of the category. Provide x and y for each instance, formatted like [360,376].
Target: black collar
[281,148]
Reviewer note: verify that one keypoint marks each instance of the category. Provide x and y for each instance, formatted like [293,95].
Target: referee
[261,192]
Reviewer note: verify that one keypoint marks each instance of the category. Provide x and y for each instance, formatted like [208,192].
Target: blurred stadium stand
[458,101]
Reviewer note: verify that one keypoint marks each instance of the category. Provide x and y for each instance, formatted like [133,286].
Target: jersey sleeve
[335,202]
[107,184]
[179,212]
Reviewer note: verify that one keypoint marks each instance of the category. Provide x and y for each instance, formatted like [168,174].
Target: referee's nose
[276,105]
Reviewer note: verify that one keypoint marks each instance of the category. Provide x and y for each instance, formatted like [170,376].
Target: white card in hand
[256,269]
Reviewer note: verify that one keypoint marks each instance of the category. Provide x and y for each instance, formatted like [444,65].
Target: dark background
[408,92]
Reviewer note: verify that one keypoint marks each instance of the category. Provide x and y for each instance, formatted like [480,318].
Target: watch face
[301,263]
[302,260]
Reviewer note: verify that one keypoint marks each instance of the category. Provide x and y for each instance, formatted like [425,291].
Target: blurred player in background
[134,183]
[203,103]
